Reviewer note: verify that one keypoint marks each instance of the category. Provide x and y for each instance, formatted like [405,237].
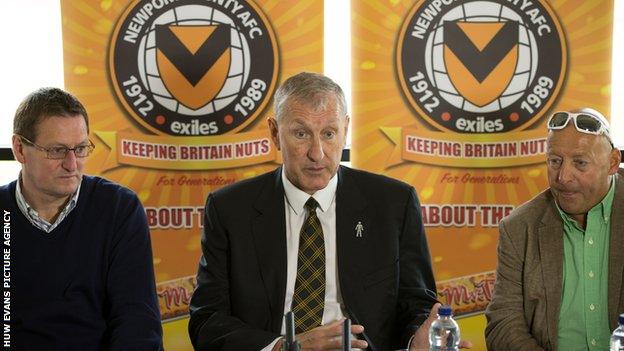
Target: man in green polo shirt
[559,279]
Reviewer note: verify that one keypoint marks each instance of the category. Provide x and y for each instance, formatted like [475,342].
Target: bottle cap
[445,310]
[621,319]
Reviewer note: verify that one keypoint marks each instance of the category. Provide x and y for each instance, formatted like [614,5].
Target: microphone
[346,335]
[291,344]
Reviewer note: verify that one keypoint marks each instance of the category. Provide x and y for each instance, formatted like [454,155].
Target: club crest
[192,68]
[481,66]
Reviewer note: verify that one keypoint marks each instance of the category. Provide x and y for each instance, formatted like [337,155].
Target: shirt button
[593,342]
[591,274]
[592,307]
[591,241]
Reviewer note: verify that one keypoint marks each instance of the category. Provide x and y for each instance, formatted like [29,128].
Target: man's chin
[571,210]
[315,184]
[67,189]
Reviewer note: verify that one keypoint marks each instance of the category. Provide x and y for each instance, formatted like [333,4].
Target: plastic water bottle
[617,338]
[444,331]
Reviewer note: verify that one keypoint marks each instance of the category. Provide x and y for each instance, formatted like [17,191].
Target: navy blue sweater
[88,284]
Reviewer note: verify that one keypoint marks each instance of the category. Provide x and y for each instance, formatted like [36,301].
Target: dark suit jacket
[385,276]
[524,311]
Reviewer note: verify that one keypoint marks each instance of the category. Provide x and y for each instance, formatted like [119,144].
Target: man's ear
[615,157]
[273,128]
[18,149]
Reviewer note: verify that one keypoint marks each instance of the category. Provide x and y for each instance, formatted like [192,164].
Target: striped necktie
[309,296]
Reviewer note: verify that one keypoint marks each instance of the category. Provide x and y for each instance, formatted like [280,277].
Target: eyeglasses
[583,122]
[60,152]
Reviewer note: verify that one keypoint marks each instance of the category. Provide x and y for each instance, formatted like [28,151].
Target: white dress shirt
[294,201]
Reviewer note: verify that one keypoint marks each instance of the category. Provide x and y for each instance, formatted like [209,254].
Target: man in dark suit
[366,229]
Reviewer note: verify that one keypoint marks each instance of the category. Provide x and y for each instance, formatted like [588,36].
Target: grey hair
[311,89]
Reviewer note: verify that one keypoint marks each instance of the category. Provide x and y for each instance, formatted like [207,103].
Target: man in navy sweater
[81,273]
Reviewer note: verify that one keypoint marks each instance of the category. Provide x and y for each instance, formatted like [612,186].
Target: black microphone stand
[290,344]
[346,335]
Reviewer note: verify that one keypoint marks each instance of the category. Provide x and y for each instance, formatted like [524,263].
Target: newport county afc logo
[193,67]
[481,66]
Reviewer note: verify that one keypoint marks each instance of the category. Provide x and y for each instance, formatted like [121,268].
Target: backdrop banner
[452,96]
[178,93]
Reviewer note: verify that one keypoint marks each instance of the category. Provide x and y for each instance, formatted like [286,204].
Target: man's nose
[70,162]
[565,173]
[316,153]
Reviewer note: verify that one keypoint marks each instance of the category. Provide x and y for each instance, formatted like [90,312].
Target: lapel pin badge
[359,228]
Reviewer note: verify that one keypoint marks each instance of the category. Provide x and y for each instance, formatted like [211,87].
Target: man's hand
[420,341]
[327,337]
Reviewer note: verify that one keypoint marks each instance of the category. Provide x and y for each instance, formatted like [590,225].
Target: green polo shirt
[584,315]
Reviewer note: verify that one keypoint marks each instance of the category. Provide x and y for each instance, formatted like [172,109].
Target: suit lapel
[350,210]
[616,253]
[550,239]
[269,234]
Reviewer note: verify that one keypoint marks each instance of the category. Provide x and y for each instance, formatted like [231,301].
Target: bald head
[603,120]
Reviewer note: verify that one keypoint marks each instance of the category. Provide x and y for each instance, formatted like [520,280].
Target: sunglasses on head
[583,122]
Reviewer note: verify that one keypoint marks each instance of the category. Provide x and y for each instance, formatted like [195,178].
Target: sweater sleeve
[131,306]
